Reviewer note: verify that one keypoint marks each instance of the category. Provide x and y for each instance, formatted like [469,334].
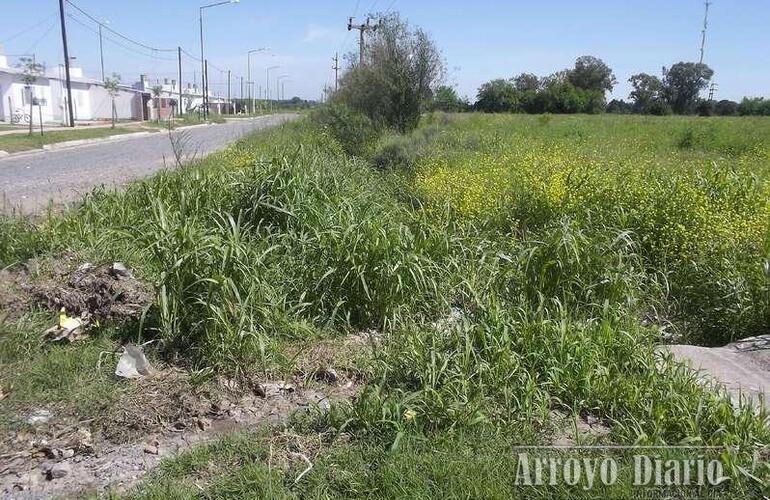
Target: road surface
[29,181]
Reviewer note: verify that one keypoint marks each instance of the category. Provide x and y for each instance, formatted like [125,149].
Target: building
[90,99]
[169,94]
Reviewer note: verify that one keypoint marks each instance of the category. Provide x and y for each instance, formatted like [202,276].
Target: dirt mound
[107,292]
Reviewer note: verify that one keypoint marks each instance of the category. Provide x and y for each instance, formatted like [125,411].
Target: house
[167,101]
[90,99]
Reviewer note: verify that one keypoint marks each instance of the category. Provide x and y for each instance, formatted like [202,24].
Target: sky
[480,39]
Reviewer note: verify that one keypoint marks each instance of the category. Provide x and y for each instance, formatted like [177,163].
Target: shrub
[355,132]
[396,82]
[396,152]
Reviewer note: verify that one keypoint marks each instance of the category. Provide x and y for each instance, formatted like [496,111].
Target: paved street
[29,181]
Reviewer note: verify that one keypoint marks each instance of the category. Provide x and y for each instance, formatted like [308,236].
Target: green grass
[283,238]
[13,143]
[4,127]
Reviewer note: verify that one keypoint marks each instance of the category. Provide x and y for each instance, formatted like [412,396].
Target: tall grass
[499,299]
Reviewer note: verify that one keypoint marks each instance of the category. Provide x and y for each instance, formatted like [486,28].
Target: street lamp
[204,79]
[267,83]
[248,56]
[278,86]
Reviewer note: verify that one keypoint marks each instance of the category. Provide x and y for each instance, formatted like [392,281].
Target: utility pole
[362,30]
[703,33]
[241,93]
[712,90]
[101,50]
[229,102]
[336,68]
[66,64]
[179,68]
[205,89]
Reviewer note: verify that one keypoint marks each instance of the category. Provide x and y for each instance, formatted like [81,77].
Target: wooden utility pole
[229,101]
[66,64]
[336,69]
[362,30]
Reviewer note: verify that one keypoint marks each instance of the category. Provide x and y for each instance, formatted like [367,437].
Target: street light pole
[204,79]
[267,84]
[278,86]
[248,58]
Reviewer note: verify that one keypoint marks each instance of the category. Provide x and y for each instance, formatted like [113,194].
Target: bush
[398,78]
[754,106]
[354,132]
[726,107]
[396,152]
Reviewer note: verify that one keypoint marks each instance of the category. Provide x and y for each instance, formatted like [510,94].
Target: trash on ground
[68,328]
[39,417]
[133,363]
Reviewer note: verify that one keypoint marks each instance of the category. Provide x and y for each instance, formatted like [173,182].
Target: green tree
[620,107]
[112,86]
[754,106]
[446,99]
[526,82]
[726,107]
[497,96]
[683,82]
[591,73]
[156,93]
[401,71]
[30,71]
[647,94]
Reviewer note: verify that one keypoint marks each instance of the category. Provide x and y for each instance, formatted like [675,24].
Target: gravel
[29,182]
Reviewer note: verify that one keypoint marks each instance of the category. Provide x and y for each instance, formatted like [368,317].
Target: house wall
[125,104]
[12,95]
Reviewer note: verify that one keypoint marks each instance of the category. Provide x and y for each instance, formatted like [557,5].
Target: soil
[63,458]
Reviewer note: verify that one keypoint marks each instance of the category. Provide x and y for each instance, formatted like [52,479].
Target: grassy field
[519,272]
[13,143]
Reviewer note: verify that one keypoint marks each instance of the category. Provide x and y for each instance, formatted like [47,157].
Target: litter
[68,328]
[133,363]
[39,417]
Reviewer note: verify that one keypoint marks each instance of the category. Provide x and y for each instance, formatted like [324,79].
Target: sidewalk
[24,129]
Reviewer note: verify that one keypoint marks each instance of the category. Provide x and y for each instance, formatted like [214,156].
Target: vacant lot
[484,283]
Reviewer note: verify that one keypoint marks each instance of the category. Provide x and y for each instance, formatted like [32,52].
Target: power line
[30,28]
[119,44]
[45,34]
[121,35]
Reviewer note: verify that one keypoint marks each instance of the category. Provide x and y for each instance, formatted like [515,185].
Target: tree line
[582,89]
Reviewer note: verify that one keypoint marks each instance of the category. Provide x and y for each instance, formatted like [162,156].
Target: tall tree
[591,73]
[30,71]
[647,94]
[526,82]
[401,71]
[497,96]
[683,82]
[446,99]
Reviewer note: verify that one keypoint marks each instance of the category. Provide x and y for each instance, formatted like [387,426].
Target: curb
[81,142]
